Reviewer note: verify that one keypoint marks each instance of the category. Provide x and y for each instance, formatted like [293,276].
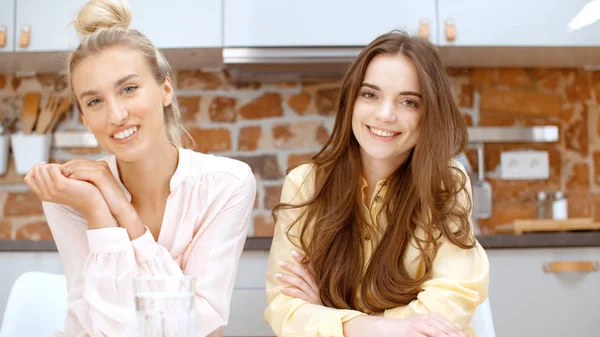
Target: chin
[129,154]
[383,156]
[378,155]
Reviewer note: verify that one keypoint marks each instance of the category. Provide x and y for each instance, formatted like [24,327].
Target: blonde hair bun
[98,14]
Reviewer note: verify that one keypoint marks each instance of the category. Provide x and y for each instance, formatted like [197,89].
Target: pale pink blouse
[205,224]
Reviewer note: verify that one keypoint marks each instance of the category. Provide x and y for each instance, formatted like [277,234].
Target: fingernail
[278,275]
[283,264]
[295,253]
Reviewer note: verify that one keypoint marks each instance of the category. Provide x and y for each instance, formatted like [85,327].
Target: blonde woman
[373,236]
[149,208]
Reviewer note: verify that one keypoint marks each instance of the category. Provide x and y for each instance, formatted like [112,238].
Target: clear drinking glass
[165,306]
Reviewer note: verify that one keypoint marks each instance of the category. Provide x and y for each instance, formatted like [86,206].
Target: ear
[167,91]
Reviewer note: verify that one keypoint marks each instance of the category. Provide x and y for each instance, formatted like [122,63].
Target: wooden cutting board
[547,225]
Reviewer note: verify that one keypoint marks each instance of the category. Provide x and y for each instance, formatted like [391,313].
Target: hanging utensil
[482,190]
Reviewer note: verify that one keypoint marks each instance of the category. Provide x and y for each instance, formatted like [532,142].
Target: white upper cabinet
[293,23]
[47,24]
[179,23]
[7,25]
[527,23]
[169,24]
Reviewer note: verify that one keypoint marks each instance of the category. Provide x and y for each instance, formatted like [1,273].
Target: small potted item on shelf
[32,145]
[7,125]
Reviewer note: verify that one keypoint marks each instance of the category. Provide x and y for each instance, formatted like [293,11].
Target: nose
[118,114]
[386,113]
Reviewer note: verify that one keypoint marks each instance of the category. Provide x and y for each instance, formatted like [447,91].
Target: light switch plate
[524,165]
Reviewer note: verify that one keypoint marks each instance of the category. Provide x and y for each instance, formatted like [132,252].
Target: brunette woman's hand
[429,325]
[301,280]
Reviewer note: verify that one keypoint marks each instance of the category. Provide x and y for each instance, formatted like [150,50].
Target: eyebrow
[402,93]
[117,84]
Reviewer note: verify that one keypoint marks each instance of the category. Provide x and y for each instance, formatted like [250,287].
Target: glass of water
[165,306]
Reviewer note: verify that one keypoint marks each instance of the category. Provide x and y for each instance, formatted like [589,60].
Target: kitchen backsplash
[272,126]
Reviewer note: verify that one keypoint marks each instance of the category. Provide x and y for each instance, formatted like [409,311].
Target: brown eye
[410,104]
[368,95]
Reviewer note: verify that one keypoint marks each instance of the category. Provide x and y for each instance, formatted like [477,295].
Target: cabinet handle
[2,36]
[25,36]
[450,30]
[424,28]
[570,266]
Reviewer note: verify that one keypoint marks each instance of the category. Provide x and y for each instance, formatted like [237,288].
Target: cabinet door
[176,24]
[7,24]
[249,298]
[50,24]
[528,23]
[179,23]
[246,317]
[527,301]
[260,23]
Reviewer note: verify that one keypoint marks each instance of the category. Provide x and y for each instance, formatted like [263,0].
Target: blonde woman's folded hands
[49,183]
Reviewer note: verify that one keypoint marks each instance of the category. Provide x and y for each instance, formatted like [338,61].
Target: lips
[382,133]
[127,133]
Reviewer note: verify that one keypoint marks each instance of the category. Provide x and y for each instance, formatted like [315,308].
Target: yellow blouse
[459,280]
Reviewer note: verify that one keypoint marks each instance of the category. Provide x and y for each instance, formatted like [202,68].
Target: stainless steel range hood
[289,55]
[318,63]
[288,64]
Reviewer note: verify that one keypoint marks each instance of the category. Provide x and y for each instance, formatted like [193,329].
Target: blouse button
[377,199]
[367,237]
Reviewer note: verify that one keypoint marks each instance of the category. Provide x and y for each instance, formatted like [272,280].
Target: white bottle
[559,206]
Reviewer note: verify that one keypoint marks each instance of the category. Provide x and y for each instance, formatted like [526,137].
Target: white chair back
[36,306]
[482,322]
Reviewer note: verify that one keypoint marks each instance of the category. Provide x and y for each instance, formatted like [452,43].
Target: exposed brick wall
[525,97]
[273,126]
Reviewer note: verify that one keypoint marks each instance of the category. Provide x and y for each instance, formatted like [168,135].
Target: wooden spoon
[64,106]
[29,114]
[47,115]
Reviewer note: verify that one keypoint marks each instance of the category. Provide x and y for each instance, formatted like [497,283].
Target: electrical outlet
[524,165]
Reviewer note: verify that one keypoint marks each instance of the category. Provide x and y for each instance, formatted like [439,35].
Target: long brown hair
[421,194]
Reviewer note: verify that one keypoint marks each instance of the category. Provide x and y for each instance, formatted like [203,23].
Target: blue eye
[129,89]
[93,102]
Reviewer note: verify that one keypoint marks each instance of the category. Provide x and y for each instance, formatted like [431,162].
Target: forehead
[393,72]
[106,67]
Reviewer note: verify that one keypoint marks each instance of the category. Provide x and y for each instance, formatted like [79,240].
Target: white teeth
[125,133]
[382,133]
